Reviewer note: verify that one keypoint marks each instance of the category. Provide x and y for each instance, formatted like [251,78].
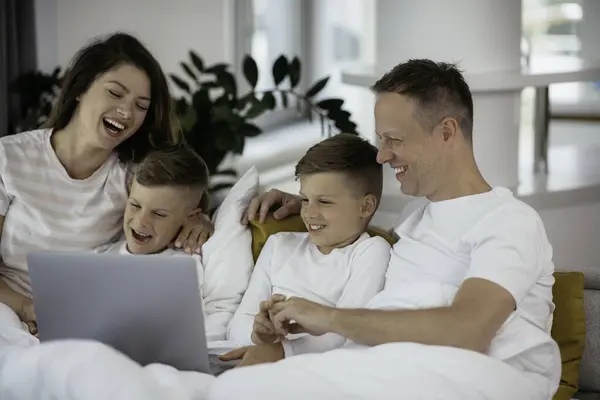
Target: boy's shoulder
[288,239]
[368,243]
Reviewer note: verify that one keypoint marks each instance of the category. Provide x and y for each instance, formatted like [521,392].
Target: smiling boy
[169,187]
[335,262]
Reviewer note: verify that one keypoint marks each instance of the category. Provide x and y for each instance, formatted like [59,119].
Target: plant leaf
[284,99]
[268,100]
[227,81]
[217,68]
[251,130]
[317,87]
[257,109]
[188,71]
[331,104]
[238,144]
[250,70]
[346,126]
[181,84]
[188,120]
[294,72]
[280,69]
[197,61]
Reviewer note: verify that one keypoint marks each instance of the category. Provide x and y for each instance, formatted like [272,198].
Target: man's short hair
[349,154]
[439,89]
[176,166]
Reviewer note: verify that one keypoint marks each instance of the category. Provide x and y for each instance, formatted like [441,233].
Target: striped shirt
[45,209]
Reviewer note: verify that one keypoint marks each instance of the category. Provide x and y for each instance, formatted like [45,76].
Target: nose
[384,155]
[124,110]
[142,219]
[310,211]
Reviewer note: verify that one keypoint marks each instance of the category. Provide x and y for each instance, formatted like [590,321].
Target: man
[467,306]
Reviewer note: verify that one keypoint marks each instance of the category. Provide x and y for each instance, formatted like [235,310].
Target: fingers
[250,213]
[271,198]
[236,354]
[202,238]
[183,236]
[277,298]
[294,329]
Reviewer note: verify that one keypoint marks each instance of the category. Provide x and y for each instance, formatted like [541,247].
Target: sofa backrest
[589,375]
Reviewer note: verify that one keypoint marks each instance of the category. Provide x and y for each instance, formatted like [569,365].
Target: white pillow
[227,257]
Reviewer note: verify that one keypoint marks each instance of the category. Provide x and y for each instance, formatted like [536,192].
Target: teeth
[114,123]
[141,234]
[401,170]
[316,227]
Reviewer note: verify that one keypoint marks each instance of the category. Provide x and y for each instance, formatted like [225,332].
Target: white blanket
[84,370]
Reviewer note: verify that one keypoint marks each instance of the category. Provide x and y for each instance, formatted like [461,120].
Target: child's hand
[194,233]
[263,330]
[25,311]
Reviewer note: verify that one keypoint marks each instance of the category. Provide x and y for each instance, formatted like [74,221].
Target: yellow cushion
[261,232]
[568,329]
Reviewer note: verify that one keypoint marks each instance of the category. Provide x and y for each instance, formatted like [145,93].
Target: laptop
[146,306]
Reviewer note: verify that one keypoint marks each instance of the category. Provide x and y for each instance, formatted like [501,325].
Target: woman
[64,188]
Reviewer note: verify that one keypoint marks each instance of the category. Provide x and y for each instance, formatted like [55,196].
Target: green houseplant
[217,118]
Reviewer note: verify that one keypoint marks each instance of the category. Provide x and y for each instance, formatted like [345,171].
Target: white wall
[168,28]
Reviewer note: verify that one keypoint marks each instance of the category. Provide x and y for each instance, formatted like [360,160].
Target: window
[267,29]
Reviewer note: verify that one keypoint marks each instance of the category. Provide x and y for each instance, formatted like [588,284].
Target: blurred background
[533,66]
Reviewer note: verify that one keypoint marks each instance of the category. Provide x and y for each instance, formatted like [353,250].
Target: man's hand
[297,315]
[253,355]
[260,206]
[263,330]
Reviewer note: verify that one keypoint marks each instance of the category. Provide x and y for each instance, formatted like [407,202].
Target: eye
[324,201]
[142,107]
[160,215]
[134,205]
[304,200]
[115,94]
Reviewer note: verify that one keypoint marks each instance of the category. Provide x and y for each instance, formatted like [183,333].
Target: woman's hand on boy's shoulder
[194,233]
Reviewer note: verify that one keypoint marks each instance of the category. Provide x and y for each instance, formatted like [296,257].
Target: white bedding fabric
[84,370]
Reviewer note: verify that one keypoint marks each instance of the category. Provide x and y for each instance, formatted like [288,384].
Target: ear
[369,206]
[449,129]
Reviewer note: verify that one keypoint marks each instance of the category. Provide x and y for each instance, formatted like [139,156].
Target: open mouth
[400,171]
[113,127]
[315,228]
[140,237]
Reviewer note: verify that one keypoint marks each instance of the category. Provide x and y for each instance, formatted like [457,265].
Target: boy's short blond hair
[176,166]
[349,154]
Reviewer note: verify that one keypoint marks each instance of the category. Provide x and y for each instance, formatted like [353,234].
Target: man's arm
[471,322]
[506,260]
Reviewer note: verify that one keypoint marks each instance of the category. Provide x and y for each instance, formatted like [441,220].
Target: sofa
[576,294]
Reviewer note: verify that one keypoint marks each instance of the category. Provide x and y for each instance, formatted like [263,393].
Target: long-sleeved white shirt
[219,300]
[291,265]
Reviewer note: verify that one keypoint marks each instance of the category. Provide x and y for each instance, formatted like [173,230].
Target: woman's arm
[20,304]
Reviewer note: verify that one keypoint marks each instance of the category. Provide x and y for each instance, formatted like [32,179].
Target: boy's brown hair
[349,154]
[176,166]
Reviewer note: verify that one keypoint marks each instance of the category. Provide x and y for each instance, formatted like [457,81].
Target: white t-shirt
[492,236]
[291,265]
[220,300]
[45,209]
